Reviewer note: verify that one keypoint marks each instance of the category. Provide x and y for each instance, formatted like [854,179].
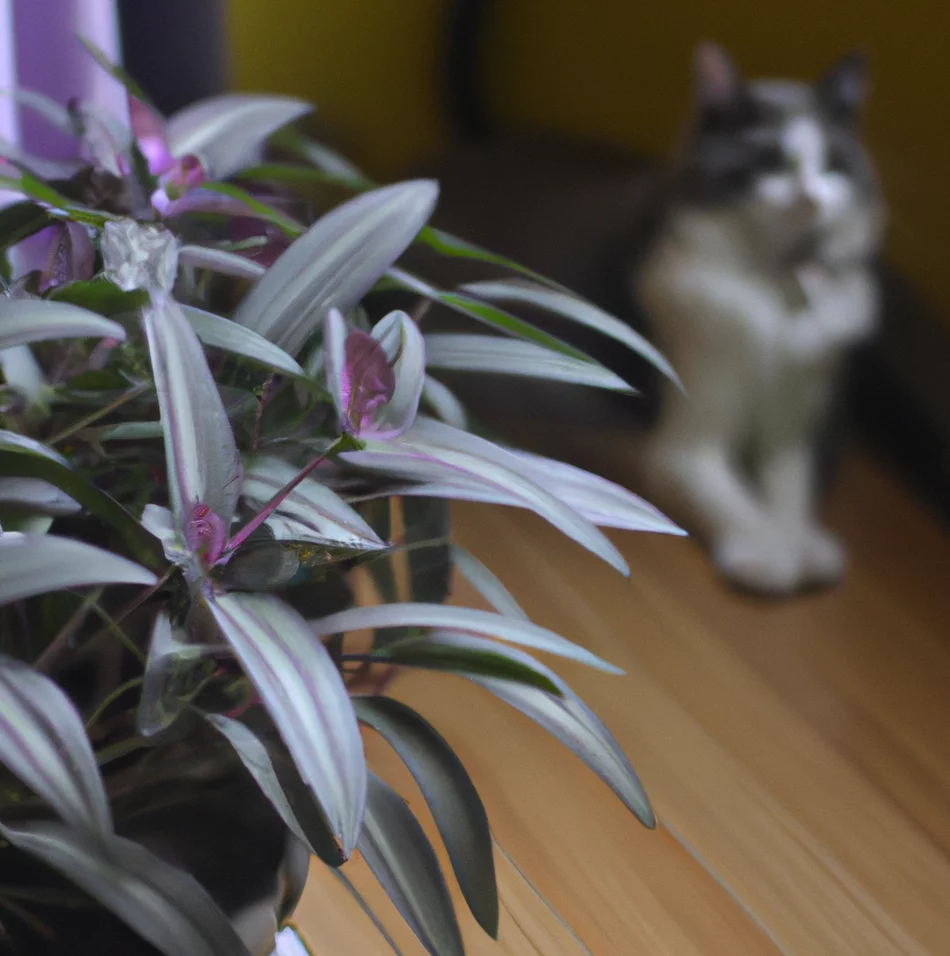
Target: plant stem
[142,598]
[48,658]
[100,413]
[276,500]
[111,698]
[334,646]
[403,548]
[259,414]
[34,922]
[242,709]
[120,749]
[36,894]
[112,625]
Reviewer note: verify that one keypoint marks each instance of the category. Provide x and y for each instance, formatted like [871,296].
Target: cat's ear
[843,90]
[718,83]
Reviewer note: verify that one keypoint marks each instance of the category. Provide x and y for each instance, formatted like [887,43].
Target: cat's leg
[788,470]
[693,473]
[824,559]
[718,329]
[842,311]
[788,477]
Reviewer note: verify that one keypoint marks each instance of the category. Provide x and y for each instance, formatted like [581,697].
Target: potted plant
[209,430]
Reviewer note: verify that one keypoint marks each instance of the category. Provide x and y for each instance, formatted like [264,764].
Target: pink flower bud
[206,534]
[367,380]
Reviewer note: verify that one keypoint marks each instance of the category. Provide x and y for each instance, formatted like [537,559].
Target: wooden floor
[798,753]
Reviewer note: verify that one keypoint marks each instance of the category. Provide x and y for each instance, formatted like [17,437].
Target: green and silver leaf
[502,356]
[221,333]
[32,564]
[455,804]
[335,263]
[44,743]
[225,131]
[141,545]
[306,698]
[573,308]
[398,852]
[201,455]
[458,618]
[38,320]
[486,583]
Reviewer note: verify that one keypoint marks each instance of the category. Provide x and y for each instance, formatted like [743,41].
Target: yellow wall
[370,66]
[618,69]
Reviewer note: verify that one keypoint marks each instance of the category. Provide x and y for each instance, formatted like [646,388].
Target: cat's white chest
[756,347]
[826,313]
[797,330]
[712,304]
[792,349]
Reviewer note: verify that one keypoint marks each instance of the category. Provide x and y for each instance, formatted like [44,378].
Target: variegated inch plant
[209,438]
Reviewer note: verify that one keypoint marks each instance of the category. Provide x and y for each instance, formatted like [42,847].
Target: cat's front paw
[763,561]
[823,558]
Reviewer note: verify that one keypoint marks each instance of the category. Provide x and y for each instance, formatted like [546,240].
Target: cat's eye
[772,159]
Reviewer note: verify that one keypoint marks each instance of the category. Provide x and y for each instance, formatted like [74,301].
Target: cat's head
[787,153]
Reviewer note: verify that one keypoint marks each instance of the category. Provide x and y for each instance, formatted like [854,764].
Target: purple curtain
[8,113]
[39,51]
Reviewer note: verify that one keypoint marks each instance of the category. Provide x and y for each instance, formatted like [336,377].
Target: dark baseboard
[900,394]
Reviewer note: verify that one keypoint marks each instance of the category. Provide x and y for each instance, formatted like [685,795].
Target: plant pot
[222,831]
[290,943]
[229,837]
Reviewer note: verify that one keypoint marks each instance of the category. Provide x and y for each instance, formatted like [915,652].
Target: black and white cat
[748,261]
[756,283]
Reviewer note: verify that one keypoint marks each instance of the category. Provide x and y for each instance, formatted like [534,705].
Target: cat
[749,260]
[759,279]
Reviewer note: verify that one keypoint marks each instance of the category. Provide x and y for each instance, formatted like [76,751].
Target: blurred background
[617,73]
[797,752]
